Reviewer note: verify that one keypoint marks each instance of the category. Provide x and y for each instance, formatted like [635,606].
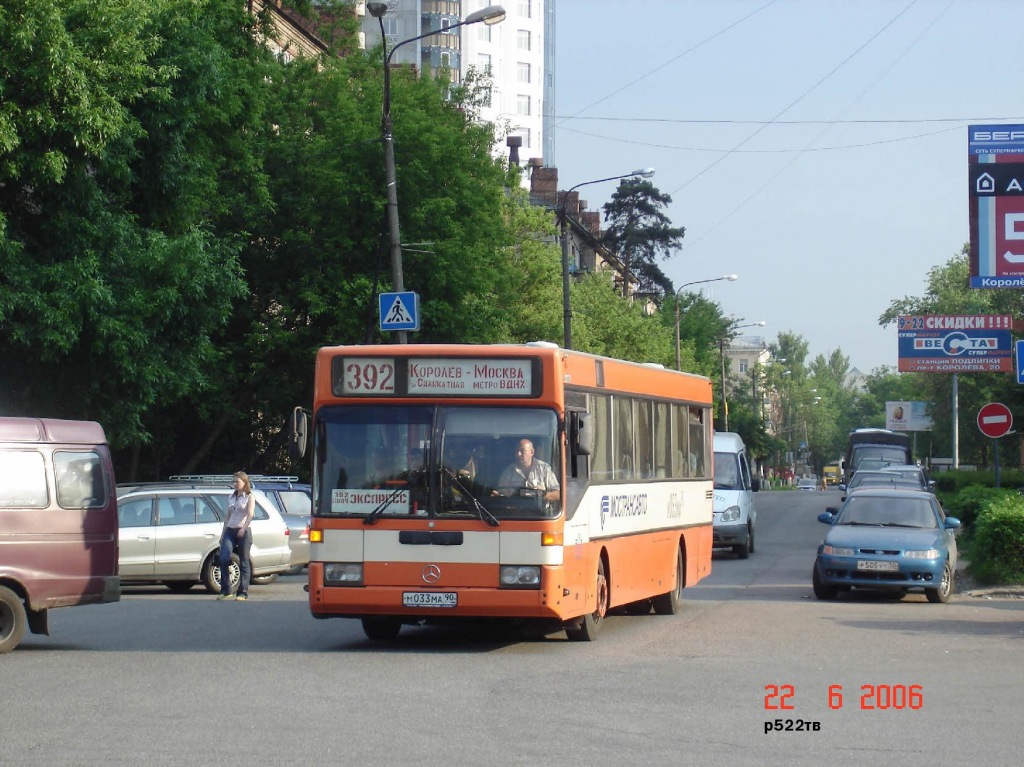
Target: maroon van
[58,522]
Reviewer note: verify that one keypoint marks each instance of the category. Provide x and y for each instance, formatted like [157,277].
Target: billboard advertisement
[996,200]
[955,344]
[908,416]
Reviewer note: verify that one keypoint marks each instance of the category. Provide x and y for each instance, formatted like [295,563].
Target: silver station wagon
[170,534]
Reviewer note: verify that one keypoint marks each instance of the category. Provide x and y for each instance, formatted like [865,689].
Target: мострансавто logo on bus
[623,505]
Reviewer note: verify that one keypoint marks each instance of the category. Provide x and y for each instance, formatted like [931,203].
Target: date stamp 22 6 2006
[871,697]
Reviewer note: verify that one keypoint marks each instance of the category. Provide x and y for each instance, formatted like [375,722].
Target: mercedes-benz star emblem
[431,574]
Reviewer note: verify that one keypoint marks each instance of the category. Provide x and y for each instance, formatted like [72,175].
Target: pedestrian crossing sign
[399,311]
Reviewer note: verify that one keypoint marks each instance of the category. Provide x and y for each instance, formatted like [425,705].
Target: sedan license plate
[870,564]
[430,599]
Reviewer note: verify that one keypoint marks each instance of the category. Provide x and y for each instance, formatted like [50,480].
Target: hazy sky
[817,148]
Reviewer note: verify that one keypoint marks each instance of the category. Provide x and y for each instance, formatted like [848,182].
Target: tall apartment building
[518,54]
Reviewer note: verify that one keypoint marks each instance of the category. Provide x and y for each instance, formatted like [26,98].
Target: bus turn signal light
[550,539]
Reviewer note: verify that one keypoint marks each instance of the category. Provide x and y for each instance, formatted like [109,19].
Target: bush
[967,504]
[948,482]
[997,548]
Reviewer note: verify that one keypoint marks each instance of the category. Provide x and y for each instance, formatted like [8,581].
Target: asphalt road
[161,678]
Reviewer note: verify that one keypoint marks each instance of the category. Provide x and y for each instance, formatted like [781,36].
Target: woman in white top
[237,537]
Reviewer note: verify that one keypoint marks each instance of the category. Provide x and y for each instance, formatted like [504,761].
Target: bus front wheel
[381,629]
[590,624]
[12,619]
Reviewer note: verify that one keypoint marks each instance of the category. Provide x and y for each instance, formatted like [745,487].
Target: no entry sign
[995,420]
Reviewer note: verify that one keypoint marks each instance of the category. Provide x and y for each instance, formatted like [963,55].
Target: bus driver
[529,472]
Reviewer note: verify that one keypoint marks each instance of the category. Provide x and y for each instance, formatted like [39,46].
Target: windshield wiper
[901,524]
[373,516]
[482,512]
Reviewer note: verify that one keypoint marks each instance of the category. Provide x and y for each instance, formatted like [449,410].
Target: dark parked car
[881,478]
[890,540]
[912,473]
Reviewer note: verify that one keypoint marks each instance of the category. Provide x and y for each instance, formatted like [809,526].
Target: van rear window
[79,479]
[22,480]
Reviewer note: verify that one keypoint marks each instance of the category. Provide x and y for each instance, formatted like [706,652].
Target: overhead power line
[798,150]
[726,121]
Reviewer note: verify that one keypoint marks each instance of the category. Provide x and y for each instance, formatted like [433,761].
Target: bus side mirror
[581,434]
[298,427]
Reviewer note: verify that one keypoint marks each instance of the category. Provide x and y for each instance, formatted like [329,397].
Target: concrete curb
[966,587]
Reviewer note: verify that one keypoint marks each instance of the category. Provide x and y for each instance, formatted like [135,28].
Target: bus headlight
[343,573]
[520,577]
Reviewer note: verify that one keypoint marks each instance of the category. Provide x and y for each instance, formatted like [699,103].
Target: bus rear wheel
[12,619]
[590,624]
[670,602]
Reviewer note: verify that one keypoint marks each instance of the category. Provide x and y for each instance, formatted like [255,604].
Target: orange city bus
[411,523]
[58,522]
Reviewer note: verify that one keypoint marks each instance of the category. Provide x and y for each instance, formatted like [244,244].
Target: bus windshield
[878,456]
[382,460]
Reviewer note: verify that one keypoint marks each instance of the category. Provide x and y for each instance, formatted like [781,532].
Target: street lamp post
[564,232]
[729,277]
[492,14]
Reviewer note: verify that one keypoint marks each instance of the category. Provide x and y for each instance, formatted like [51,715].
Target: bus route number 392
[369,376]
[430,599]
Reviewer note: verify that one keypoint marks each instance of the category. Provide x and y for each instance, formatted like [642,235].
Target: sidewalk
[966,587]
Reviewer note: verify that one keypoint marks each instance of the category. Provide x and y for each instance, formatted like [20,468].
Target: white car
[170,534]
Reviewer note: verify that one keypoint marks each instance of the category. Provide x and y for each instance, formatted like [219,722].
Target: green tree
[119,172]
[614,327]
[701,324]
[948,292]
[639,231]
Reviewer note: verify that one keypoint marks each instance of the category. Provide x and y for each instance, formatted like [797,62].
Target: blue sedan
[888,540]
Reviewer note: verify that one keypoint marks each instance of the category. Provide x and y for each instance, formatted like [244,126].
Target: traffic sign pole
[995,420]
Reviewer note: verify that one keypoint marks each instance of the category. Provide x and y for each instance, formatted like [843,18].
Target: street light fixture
[729,277]
[563,224]
[492,14]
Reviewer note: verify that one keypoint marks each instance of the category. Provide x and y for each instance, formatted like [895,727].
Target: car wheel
[941,594]
[211,573]
[670,602]
[381,628]
[263,580]
[822,590]
[743,550]
[179,587]
[751,539]
[590,624]
[12,619]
